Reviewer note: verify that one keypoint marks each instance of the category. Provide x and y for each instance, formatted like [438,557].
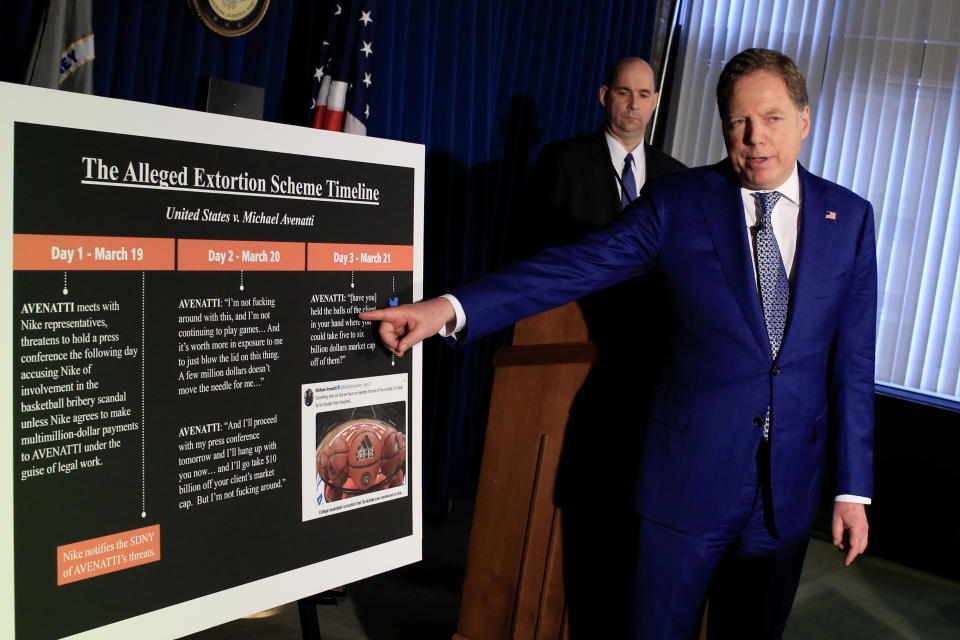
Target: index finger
[858,544]
[851,556]
[375,314]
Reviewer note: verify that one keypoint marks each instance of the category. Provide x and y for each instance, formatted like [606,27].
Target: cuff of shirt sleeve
[450,329]
[845,497]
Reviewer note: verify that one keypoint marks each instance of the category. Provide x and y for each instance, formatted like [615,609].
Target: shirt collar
[618,153]
[790,189]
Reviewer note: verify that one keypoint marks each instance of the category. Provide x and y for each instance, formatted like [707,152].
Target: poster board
[182,291]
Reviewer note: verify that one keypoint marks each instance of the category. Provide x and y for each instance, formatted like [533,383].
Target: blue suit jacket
[701,437]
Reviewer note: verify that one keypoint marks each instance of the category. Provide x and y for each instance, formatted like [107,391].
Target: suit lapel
[654,165]
[722,208]
[813,247]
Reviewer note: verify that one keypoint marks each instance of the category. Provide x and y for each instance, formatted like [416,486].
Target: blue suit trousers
[749,574]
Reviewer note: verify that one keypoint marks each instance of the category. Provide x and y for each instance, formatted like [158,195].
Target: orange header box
[239,255]
[116,552]
[359,257]
[34,252]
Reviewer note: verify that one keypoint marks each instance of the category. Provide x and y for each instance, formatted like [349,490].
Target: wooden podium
[513,587]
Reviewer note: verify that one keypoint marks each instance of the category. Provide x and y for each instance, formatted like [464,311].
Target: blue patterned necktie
[772,276]
[629,192]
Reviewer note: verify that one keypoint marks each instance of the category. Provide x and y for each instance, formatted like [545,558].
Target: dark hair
[753,60]
[614,69]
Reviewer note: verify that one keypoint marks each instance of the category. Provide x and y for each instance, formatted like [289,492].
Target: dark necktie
[629,193]
[772,277]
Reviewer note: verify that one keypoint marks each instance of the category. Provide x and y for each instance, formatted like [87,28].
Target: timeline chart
[185,345]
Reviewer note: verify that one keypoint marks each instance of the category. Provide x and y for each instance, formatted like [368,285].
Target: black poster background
[215,546]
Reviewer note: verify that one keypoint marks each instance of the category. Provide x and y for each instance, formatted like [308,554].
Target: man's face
[629,101]
[763,130]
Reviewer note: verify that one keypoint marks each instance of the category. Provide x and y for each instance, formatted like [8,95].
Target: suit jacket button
[758,422]
[775,371]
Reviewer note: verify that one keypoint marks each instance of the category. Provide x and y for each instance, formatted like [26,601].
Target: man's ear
[603,95]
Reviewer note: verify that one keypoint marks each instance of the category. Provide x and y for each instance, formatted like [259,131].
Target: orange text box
[239,255]
[359,257]
[116,552]
[32,252]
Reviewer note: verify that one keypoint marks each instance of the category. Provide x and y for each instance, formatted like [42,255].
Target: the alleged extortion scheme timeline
[201,425]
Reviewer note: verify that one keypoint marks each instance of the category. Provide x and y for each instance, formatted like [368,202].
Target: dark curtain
[482,84]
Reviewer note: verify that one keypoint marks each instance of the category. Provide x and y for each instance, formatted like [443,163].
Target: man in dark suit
[771,284]
[579,185]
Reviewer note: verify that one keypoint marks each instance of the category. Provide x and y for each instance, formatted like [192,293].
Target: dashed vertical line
[393,293]
[66,289]
[143,394]
[241,280]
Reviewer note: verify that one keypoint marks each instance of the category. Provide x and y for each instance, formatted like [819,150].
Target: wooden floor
[873,599]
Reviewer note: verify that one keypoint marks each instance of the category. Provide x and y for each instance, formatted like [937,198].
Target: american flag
[344,77]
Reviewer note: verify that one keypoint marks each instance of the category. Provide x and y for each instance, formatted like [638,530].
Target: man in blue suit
[771,286]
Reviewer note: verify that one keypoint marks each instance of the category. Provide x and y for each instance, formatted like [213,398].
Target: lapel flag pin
[831,215]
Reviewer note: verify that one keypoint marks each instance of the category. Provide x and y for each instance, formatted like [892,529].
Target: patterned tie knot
[766,201]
